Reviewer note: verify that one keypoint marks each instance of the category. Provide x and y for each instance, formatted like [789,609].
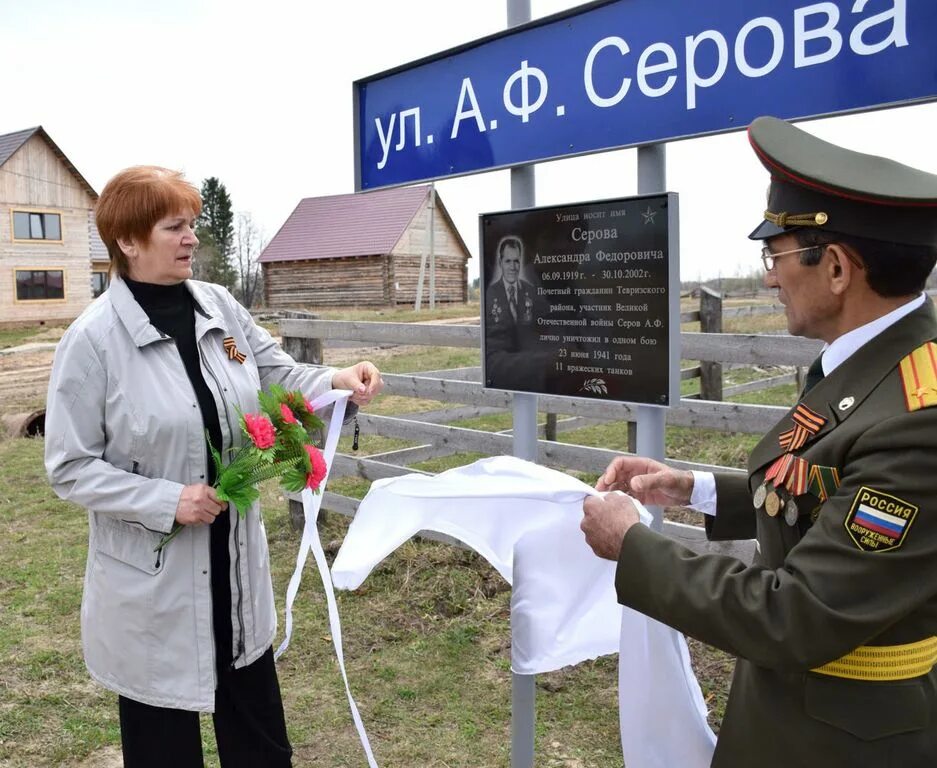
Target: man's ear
[842,268]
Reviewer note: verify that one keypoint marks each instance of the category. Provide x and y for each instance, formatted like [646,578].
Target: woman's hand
[199,505]
[363,379]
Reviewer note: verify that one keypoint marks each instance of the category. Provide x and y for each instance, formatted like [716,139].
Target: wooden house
[52,260]
[365,249]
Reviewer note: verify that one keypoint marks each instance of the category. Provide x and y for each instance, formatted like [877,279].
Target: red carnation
[308,406]
[317,461]
[288,416]
[261,430]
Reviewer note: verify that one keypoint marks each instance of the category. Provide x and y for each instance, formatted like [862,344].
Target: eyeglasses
[769,258]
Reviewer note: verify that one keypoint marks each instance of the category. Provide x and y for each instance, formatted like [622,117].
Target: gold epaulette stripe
[884,662]
[919,377]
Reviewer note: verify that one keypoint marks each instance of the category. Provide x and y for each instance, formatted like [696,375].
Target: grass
[409,359]
[13,337]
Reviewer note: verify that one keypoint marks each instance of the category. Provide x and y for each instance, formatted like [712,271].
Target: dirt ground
[24,378]
[106,757]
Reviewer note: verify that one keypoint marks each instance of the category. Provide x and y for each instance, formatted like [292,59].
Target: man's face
[511,263]
[808,304]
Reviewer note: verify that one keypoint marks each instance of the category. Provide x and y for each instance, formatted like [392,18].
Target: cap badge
[846,403]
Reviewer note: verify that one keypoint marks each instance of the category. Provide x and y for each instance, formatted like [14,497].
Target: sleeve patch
[919,377]
[877,521]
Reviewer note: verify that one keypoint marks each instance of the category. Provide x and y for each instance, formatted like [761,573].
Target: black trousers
[249,725]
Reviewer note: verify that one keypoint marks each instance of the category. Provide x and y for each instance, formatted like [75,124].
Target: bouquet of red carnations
[279,445]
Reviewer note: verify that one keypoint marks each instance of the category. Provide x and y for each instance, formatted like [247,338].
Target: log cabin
[365,249]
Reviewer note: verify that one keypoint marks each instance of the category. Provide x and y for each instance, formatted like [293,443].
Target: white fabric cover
[524,519]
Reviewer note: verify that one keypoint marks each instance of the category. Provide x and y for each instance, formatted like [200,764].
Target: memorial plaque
[582,300]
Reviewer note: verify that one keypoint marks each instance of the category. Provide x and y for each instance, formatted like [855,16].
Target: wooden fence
[433,437]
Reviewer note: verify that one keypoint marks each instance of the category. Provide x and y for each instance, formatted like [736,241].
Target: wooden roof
[341,226]
[11,142]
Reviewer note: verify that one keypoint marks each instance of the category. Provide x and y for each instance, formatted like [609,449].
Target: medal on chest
[789,476]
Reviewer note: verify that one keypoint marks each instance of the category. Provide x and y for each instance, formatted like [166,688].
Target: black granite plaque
[576,299]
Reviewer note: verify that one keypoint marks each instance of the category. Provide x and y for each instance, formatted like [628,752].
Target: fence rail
[754,349]
[711,347]
[728,417]
[433,435]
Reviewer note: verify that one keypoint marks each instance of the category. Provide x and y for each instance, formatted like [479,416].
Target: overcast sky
[259,95]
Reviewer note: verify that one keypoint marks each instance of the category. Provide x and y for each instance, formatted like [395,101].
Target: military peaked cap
[823,186]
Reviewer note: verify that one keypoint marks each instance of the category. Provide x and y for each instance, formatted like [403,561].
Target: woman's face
[167,258]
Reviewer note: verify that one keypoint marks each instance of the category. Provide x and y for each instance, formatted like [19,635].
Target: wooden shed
[52,261]
[365,250]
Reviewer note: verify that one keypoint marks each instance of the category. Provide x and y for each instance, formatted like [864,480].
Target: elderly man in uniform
[835,622]
[510,300]
[512,309]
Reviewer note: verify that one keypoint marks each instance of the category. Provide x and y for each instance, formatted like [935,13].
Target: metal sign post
[523,690]
[652,177]
[524,408]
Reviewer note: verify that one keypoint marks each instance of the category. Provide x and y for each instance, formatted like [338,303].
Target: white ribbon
[310,541]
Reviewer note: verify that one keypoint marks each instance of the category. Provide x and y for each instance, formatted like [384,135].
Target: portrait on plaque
[580,300]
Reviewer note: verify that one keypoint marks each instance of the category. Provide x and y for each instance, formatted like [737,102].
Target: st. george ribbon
[310,541]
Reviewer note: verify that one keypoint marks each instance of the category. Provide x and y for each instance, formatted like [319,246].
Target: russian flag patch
[878,521]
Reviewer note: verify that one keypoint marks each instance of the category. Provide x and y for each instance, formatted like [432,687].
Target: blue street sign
[631,72]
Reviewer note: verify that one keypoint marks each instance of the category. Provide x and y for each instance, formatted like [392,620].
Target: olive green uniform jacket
[818,590]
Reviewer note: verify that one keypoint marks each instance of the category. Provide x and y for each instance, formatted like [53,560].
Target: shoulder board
[919,377]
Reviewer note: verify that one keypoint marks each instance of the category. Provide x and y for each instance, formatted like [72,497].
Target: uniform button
[201,477]
[204,573]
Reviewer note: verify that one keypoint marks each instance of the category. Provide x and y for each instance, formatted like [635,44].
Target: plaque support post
[652,179]
[523,689]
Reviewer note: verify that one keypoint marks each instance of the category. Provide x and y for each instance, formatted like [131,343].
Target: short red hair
[134,200]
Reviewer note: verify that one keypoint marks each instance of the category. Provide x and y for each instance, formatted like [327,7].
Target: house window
[38,285]
[98,283]
[29,225]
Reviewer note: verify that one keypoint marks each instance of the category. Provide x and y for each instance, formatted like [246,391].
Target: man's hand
[606,521]
[199,505]
[649,481]
[363,379]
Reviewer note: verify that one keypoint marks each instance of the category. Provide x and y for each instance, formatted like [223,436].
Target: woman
[138,381]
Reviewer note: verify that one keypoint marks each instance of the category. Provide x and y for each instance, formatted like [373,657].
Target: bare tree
[248,243]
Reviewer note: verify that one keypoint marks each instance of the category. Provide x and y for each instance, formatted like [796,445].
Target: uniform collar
[837,396]
[848,344]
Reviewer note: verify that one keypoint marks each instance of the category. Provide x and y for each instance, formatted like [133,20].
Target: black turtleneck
[171,309]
